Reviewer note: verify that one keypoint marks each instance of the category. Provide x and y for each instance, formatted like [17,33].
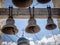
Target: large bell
[9,28]
[43,1]
[50,24]
[32,26]
[22,3]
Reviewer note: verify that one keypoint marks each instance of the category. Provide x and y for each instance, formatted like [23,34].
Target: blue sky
[22,23]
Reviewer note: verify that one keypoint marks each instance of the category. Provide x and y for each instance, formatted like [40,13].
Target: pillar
[1,24]
[1,20]
[57,5]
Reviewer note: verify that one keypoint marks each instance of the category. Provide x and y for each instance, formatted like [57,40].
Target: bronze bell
[32,26]
[50,24]
[22,3]
[43,1]
[9,28]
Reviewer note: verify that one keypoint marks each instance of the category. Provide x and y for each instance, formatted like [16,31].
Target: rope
[30,12]
[49,11]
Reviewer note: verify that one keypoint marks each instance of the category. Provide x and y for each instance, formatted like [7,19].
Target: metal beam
[24,13]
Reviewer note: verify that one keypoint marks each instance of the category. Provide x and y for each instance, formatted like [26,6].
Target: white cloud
[9,43]
[13,43]
[30,39]
[32,43]
[43,41]
[50,40]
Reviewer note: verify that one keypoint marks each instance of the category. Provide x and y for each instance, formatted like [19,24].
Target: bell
[50,24]
[32,26]
[22,3]
[9,28]
[43,1]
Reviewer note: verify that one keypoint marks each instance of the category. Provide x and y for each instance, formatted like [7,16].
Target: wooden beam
[24,13]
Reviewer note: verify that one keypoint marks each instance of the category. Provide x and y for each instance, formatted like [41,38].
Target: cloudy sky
[44,37]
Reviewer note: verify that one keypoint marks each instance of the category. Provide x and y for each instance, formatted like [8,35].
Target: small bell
[10,28]
[32,26]
[50,24]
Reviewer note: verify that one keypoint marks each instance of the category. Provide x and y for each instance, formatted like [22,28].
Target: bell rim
[10,33]
[51,28]
[16,30]
[33,32]
[43,2]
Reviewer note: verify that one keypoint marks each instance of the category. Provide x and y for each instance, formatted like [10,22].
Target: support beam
[24,13]
[2,3]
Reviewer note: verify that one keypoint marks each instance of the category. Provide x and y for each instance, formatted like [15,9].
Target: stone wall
[2,2]
[1,20]
[1,24]
[57,5]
